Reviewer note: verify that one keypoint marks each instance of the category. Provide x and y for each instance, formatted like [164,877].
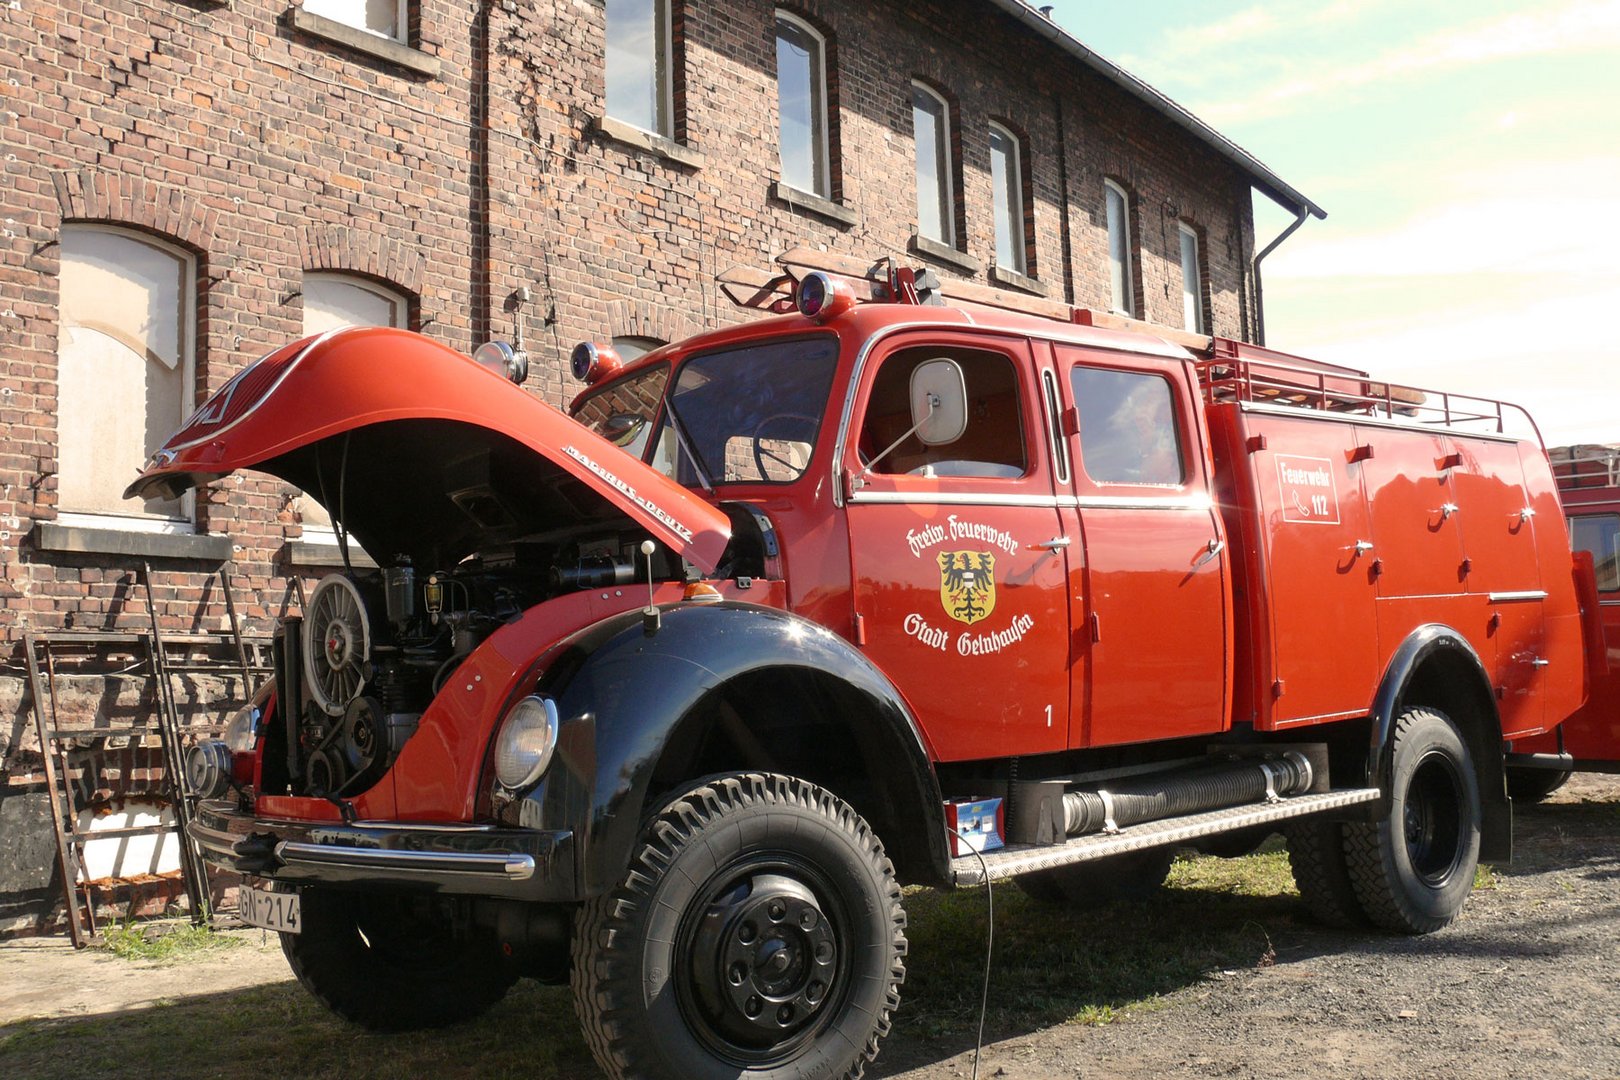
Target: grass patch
[1054,965]
[164,945]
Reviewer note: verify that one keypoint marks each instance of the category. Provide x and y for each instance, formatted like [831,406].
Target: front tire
[392,962]
[1413,870]
[758,929]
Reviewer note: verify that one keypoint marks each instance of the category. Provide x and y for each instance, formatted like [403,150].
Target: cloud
[1587,26]
[1515,232]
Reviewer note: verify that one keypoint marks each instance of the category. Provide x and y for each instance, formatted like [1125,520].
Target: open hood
[416,450]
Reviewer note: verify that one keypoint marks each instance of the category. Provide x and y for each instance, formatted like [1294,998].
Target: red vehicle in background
[670,695]
[1589,484]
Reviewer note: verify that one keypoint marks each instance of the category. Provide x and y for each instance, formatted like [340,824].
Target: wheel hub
[1432,822]
[765,957]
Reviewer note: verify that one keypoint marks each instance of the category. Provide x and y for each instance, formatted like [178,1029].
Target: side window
[1127,427]
[991,445]
[125,367]
[1599,534]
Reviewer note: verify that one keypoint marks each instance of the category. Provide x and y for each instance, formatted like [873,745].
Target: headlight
[243,731]
[523,749]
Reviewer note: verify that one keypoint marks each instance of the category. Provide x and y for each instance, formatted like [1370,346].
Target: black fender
[627,694]
[1467,682]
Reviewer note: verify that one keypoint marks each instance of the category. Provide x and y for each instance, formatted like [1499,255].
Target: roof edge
[1263,179]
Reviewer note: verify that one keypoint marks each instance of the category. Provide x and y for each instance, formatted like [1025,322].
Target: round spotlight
[591,363]
[821,298]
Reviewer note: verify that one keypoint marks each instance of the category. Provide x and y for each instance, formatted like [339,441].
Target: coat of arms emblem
[967,584]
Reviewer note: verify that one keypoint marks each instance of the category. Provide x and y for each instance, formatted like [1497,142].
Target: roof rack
[1585,465]
[1229,370]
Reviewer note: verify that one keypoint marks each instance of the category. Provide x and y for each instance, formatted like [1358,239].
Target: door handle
[1446,510]
[1215,548]
[1363,546]
[1538,662]
[1057,543]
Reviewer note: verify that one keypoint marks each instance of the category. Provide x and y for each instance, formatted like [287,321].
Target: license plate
[277,911]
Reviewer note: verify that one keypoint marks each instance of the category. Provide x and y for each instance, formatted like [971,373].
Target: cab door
[958,563]
[1153,601]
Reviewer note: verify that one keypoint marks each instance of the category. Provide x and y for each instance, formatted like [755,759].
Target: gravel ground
[1523,985]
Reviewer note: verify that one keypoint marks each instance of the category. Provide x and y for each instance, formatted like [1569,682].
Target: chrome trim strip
[1201,503]
[1378,421]
[1517,597]
[502,865]
[960,498]
[251,409]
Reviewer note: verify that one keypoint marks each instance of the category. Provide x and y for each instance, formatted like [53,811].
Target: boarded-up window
[331,301]
[124,363]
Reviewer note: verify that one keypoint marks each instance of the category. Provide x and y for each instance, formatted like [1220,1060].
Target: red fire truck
[1589,481]
[669,695]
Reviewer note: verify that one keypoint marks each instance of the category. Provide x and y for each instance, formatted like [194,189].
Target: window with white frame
[1121,274]
[331,301]
[384,18]
[126,373]
[801,95]
[1007,185]
[1192,281]
[639,87]
[931,125]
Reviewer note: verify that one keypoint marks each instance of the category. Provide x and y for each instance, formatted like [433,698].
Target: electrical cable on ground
[989,947]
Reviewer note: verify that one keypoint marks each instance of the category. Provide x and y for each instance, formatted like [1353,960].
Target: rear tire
[391,962]
[1322,874]
[758,931]
[1413,870]
[1080,886]
[1533,785]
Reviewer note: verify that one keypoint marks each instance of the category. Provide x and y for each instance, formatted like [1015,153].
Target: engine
[366,658]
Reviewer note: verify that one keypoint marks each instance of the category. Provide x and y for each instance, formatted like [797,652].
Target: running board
[1022,858]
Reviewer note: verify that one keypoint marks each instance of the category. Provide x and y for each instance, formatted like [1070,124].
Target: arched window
[931,125]
[125,371]
[801,95]
[631,346]
[330,301]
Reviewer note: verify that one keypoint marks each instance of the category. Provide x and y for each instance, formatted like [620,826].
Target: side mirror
[938,401]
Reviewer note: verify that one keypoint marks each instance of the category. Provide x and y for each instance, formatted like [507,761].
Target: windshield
[623,412]
[750,415]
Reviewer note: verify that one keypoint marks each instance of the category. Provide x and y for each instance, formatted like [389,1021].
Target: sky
[1467,153]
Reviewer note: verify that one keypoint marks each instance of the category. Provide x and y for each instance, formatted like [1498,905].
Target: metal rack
[157,658]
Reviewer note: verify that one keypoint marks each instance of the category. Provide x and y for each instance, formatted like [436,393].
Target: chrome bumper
[469,859]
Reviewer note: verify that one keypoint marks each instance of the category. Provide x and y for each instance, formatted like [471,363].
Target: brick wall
[266,151]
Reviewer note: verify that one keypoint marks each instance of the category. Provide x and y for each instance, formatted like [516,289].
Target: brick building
[187,183]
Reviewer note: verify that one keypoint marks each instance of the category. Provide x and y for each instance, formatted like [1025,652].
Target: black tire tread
[596,977]
[1088,885]
[1316,855]
[1369,858]
[363,991]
